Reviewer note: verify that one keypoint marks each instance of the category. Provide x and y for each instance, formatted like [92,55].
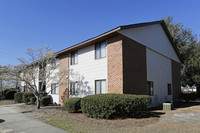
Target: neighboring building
[132,59]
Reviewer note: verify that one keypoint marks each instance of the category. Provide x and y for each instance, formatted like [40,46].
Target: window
[100,86]
[54,64]
[169,87]
[54,88]
[100,50]
[42,88]
[74,58]
[150,88]
[73,88]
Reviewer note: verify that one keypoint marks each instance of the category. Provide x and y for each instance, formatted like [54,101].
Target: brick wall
[176,80]
[63,89]
[134,67]
[115,65]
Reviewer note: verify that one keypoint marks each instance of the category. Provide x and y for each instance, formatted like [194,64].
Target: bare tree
[8,83]
[38,71]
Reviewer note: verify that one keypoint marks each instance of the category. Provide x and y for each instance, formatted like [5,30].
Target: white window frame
[99,46]
[54,90]
[73,91]
[102,80]
[74,58]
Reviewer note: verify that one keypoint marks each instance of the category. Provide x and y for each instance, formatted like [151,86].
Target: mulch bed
[45,113]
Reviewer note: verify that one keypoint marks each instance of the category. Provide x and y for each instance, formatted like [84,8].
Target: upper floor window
[74,57]
[54,63]
[100,50]
[150,87]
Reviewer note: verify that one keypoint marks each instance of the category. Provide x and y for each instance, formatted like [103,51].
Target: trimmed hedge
[27,96]
[114,105]
[18,97]
[72,105]
[45,101]
[32,100]
[43,93]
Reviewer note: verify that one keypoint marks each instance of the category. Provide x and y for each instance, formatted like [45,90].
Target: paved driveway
[11,121]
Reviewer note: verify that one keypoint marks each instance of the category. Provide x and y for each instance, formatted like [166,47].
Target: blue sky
[62,23]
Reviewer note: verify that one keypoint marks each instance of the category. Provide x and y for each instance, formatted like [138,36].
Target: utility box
[167,106]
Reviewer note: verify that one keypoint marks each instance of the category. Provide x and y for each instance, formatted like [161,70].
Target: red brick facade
[63,89]
[134,67]
[115,65]
[176,85]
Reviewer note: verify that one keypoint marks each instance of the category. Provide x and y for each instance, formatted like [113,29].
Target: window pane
[70,88]
[150,87]
[103,86]
[57,89]
[169,89]
[76,89]
[98,87]
[97,51]
[76,58]
[103,50]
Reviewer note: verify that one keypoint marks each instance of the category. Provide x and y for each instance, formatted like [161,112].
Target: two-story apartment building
[132,59]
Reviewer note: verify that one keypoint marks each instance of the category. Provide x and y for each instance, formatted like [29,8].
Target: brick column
[63,89]
[115,65]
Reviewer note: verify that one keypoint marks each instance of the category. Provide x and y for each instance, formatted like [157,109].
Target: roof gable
[154,37]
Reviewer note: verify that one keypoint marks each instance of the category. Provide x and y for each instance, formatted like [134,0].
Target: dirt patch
[45,113]
[6,102]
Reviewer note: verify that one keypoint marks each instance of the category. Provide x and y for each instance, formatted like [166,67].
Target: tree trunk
[38,102]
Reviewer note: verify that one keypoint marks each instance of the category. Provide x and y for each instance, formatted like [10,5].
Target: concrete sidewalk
[11,121]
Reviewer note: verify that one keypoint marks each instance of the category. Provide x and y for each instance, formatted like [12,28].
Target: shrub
[10,94]
[42,93]
[72,105]
[45,101]
[32,100]
[114,105]
[18,97]
[26,97]
[189,96]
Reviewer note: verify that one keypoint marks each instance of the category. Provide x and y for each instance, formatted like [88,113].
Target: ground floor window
[150,88]
[73,88]
[169,86]
[54,88]
[100,86]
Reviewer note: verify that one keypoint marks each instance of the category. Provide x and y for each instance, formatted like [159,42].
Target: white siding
[88,70]
[154,37]
[55,97]
[160,72]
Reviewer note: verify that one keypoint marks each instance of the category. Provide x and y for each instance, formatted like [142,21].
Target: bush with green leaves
[27,96]
[46,100]
[72,105]
[18,97]
[109,106]
[33,100]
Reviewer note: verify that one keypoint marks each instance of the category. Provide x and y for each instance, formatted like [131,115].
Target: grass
[74,126]
[78,127]
[1,103]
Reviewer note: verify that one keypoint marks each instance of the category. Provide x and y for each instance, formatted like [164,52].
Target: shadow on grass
[1,120]
[147,114]
[186,104]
